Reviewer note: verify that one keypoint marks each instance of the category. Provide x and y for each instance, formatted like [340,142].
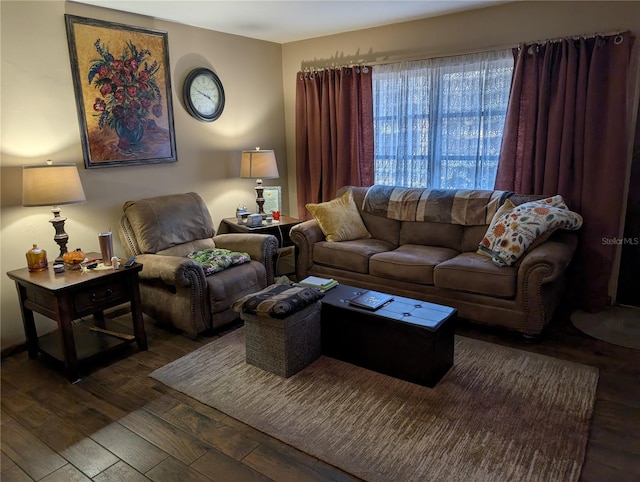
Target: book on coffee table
[370,300]
[323,284]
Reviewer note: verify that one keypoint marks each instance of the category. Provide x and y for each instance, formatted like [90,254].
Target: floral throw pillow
[512,232]
[214,260]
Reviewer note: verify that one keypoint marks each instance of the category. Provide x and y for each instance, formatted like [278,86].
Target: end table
[72,295]
[279,229]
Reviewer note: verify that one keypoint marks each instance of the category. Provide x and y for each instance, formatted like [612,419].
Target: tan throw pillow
[339,219]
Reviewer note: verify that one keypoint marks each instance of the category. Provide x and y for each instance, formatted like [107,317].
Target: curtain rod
[361,62]
[311,65]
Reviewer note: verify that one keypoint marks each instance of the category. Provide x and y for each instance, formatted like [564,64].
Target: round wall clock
[203,95]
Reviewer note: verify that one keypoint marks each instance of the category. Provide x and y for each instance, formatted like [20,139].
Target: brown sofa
[161,231]
[438,262]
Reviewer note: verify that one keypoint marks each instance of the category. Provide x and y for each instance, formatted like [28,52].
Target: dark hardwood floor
[118,424]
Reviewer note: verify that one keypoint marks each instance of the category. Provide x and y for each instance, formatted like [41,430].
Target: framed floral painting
[122,87]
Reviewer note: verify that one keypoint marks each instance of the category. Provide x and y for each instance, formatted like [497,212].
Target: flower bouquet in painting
[129,93]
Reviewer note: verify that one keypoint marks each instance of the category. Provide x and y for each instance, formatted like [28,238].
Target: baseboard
[13,349]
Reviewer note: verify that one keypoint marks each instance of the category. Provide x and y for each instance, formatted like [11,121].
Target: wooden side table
[72,295]
[279,229]
[285,262]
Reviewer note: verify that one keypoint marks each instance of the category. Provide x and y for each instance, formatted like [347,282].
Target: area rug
[499,414]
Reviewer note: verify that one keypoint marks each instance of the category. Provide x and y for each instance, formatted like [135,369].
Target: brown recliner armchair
[161,232]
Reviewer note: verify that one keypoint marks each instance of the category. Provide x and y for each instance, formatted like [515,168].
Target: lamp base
[61,237]
[259,199]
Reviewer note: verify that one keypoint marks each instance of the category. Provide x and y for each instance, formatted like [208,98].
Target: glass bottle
[37,259]
[240,211]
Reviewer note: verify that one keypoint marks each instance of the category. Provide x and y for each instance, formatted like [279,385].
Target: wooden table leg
[98,318]
[136,315]
[29,324]
[67,339]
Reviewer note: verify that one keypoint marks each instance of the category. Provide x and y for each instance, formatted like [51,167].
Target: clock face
[204,95]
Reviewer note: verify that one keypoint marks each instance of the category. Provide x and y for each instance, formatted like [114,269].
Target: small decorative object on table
[241,213]
[370,300]
[106,247]
[323,284]
[73,259]
[254,220]
[37,259]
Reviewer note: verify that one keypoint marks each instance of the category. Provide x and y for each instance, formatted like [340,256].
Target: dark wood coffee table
[408,339]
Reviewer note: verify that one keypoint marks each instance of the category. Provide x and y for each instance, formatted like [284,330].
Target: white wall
[39,122]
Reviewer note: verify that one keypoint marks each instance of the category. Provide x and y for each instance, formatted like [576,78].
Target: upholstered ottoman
[282,328]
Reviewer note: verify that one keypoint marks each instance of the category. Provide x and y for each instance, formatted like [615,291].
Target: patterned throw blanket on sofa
[455,206]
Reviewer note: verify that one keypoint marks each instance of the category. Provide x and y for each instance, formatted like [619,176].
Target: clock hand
[200,92]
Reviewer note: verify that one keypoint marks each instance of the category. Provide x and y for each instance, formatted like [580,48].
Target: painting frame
[272,199]
[122,86]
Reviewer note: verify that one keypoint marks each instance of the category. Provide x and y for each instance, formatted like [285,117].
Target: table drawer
[100,297]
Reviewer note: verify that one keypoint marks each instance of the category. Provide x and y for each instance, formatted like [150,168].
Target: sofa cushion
[339,219]
[471,237]
[410,262]
[380,227]
[474,273]
[349,255]
[428,233]
[184,249]
[231,284]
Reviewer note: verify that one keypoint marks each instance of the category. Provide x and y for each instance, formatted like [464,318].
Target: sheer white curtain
[438,122]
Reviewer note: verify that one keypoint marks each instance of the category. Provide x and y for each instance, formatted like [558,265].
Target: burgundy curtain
[334,133]
[567,132]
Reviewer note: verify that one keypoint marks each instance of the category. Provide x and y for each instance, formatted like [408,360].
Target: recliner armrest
[259,246]
[172,270]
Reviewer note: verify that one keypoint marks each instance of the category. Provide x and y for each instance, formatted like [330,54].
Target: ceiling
[289,20]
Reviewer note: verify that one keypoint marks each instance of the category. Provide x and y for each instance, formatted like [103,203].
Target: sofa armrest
[260,247]
[539,288]
[556,253]
[172,270]
[304,236]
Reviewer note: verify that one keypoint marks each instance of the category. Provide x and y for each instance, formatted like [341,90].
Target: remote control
[130,262]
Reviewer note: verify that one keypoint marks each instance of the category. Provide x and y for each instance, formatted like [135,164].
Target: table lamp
[53,185]
[259,164]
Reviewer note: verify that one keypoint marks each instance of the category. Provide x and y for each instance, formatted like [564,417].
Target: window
[438,123]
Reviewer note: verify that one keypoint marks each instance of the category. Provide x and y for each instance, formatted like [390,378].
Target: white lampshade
[51,185]
[259,164]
